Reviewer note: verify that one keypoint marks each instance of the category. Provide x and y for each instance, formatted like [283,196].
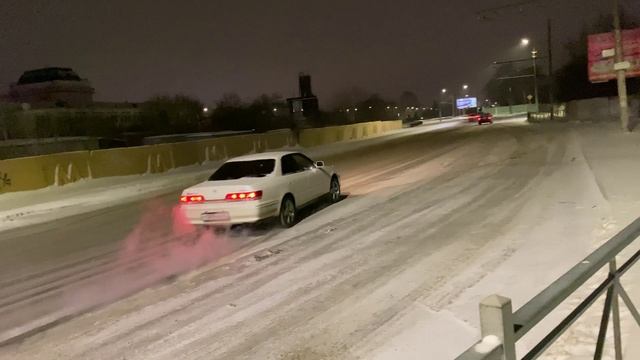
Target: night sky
[131,50]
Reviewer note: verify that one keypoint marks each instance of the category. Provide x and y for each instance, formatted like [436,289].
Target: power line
[484,13]
[508,6]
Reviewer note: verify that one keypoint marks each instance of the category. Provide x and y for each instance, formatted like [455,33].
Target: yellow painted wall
[37,172]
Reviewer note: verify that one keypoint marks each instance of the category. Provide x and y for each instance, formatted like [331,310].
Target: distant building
[306,105]
[51,87]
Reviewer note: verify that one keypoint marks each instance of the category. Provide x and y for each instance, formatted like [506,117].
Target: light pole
[443,91]
[465,90]
[534,56]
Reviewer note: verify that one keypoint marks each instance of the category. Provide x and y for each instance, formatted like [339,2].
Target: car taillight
[191,198]
[253,195]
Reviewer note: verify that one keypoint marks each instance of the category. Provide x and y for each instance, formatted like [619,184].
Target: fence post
[615,308]
[496,318]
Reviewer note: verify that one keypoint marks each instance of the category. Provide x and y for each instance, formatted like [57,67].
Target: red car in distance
[481,118]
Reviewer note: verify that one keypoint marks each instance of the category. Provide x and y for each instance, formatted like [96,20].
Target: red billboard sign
[601,51]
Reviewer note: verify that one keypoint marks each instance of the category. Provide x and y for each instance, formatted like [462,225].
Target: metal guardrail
[501,328]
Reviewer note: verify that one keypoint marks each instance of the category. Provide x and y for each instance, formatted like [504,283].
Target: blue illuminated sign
[466,103]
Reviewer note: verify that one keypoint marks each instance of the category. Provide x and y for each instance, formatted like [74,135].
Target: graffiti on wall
[5,180]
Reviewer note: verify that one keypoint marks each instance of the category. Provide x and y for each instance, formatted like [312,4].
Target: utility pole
[534,55]
[620,70]
[550,69]
[453,105]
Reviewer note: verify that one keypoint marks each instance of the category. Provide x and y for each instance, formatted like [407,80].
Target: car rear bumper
[240,212]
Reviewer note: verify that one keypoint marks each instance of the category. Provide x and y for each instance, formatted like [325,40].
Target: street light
[206,109]
[465,87]
[444,91]
[534,55]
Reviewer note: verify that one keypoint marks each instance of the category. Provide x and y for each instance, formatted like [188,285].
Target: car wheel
[334,190]
[287,212]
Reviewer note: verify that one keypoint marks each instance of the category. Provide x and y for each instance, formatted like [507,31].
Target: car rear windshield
[240,169]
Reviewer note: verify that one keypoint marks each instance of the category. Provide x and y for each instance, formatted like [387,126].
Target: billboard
[466,103]
[601,51]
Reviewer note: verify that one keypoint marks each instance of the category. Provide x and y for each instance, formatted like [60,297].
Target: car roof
[264,155]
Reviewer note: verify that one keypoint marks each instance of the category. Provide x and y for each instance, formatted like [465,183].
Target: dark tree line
[182,114]
[570,81]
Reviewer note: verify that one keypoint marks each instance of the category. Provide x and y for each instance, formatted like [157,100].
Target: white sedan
[250,188]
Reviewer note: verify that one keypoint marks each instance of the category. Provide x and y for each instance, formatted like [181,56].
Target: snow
[26,208]
[433,223]
[415,332]
[487,344]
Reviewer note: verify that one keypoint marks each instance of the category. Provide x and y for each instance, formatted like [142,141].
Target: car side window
[304,163]
[289,165]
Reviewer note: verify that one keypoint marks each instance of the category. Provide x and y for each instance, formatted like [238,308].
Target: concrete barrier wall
[514,109]
[30,173]
[130,161]
[37,172]
[279,139]
[65,168]
[331,134]
[191,152]
[600,109]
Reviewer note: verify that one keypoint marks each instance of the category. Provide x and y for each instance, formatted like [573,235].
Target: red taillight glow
[253,195]
[191,198]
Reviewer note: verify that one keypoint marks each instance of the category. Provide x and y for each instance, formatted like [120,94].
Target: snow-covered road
[433,222]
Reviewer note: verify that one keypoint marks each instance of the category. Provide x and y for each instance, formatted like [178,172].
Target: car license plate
[215,216]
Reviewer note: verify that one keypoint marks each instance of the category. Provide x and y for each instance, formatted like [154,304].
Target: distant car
[251,188]
[481,118]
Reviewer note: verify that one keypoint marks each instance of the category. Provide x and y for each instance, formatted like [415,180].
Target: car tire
[288,212]
[334,190]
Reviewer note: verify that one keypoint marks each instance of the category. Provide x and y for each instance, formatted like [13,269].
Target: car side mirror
[319,164]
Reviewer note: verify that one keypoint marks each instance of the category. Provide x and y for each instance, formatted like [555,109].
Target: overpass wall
[35,172]
[601,109]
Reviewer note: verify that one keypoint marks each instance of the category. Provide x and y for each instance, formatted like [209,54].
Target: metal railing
[501,328]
